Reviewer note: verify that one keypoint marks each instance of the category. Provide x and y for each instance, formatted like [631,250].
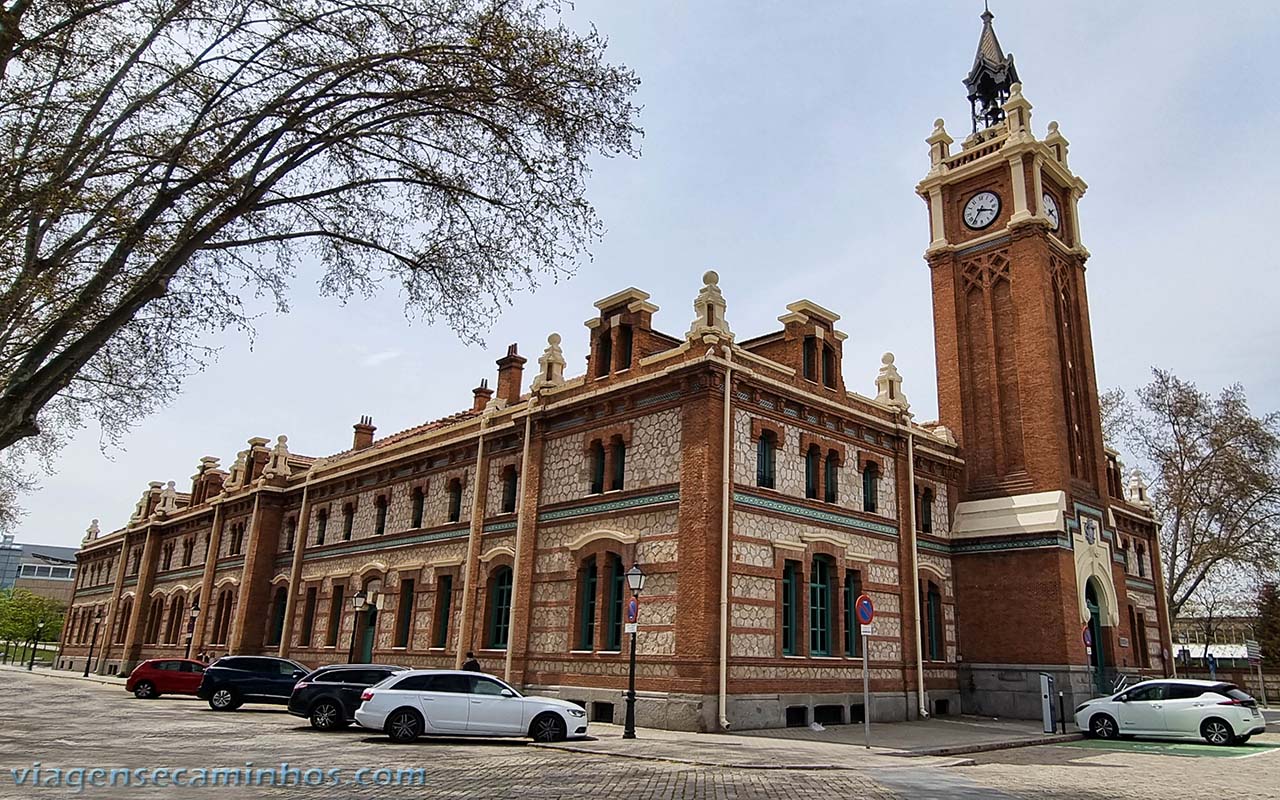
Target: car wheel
[1243,739]
[145,690]
[547,727]
[1217,732]
[224,700]
[1103,726]
[326,716]
[404,725]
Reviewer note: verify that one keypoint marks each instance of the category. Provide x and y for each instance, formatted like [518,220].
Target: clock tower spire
[990,78]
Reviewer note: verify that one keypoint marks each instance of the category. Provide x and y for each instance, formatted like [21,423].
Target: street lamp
[36,645]
[358,601]
[191,626]
[635,580]
[97,620]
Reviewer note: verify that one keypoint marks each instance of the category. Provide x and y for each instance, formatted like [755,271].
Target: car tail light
[1233,702]
[366,695]
[300,685]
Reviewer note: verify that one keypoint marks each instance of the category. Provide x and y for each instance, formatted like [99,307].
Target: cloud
[374,359]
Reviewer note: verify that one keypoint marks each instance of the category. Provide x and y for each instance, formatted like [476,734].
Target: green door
[1099,659]
[366,637]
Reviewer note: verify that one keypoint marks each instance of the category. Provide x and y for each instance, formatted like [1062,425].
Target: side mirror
[297,673]
[1124,698]
[508,693]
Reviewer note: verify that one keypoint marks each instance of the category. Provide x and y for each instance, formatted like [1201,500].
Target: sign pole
[866,694]
[1262,684]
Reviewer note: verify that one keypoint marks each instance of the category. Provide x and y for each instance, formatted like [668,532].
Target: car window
[486,686]
[191,666]
[1183,691]
[1146,693]
[414,683]
[1232,692]
[456,684]
[169,666]
[332,676]
[368,677]
[287,667]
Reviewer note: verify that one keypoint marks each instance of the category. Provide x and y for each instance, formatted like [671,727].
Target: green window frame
[619,465]
[933,622]
[852,590]
[597,467]
[820,607]
[831,480]
[444,606]
[587,606]
[870,486]
[790,579]
[812,465]
[613,625]
[766,450]
[499,608]
[926,511]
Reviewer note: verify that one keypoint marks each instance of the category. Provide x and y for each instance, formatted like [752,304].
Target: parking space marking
[1178,749]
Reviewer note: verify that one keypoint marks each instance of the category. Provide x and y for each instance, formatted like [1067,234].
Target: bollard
[1062,715]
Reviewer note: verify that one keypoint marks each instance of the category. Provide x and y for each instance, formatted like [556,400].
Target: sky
[783,142]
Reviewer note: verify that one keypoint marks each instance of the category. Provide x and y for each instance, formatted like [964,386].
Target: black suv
[231,681]
[330,696]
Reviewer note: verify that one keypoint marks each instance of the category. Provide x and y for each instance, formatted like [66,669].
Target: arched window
[831,478]
[419,504]
[510,482]
[308,617]
[499,608]
[122,619]
[153,620]
[931,630]
[380,515]
[222,618]
[619,463]
[455,499]
[790,606]
[177,614]
[278,605]
[766,458]
[322,524]
[810,358]
[348,521]
[188,547]
[926,511]
[852,635]
[587,580]
[812,470]
[237,539]
[1141,558]
[870,486]
[290,533]
[596,458]
[820,606]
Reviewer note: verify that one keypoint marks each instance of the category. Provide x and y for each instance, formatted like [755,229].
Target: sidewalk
[941,736]
[108,680]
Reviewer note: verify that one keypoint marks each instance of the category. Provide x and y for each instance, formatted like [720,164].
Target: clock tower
[1016,387]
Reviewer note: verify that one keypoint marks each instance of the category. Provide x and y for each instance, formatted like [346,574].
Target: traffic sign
[630,627]
[1252,651]
[866,609]
[868,630]
[633,609]
[1087,635]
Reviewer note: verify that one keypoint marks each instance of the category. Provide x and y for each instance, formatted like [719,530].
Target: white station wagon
[1214,711]
[432,702]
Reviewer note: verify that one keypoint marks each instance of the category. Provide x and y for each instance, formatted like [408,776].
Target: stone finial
[709,307]
[889,384]
[1017,115]
[91,532]
[550,365]
[278,465]
[1057,143]
[944,433]
[1137,493]
[939,144]
[236,479]
[168,499]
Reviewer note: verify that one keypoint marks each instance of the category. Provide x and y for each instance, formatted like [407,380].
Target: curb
[990,746]
[959,762]
[102,680]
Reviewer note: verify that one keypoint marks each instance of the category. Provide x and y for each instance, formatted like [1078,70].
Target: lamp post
[191,626]
[635,580]
[97,620]
[36,645]
[358,602]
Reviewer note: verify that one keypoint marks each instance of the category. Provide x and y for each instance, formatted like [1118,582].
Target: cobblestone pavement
[65,724]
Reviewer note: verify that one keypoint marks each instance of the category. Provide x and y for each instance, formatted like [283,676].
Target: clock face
[1051,210]
[981,210]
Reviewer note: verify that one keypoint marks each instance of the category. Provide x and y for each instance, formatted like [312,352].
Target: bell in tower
[990,77]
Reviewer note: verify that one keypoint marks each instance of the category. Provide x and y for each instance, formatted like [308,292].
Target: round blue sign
[866,611]
[633,610]
[1088,637]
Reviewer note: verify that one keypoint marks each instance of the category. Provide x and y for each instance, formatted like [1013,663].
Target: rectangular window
[624,346]
[852,634]
[308,618]
[404,613]
[604,354]
[321,525]
[348,521]
[455,500]
[587,606]
[811,466]
[444,604]
[419,502]
[765,449]
[933,614]
[789,611]
[831,482]
[510,483]
[870,487]
[820,608]
[380,518]
[619,465]
[335,616]
[810,358]
[613,625]
[597,467]
[499,608]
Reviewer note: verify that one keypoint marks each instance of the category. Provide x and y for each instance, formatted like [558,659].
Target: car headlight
[577,712]
[1081,707]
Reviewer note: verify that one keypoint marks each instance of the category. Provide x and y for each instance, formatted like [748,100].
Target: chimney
[363,436]
[510,375]
[481,394]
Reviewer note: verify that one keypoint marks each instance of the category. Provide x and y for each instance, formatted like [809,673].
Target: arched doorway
[367,632]
[1098,661]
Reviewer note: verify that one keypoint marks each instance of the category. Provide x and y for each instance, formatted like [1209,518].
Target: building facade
[45,570]
[760,494]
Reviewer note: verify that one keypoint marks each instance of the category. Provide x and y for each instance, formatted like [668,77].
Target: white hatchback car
[1214,711]
[454,703]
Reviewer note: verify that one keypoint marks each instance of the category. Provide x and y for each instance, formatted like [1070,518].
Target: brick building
[760,494]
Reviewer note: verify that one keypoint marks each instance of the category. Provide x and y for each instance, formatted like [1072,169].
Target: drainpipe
[473,545]
[521,533]
[915,564]
[725,497]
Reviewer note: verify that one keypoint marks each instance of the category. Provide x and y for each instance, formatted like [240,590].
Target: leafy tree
[165,160]
[1269,624]
[1216,481]
[20,612]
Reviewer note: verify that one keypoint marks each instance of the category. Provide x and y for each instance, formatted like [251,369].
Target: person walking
[471,664]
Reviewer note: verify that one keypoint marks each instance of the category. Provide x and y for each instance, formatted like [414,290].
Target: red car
[158,676]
